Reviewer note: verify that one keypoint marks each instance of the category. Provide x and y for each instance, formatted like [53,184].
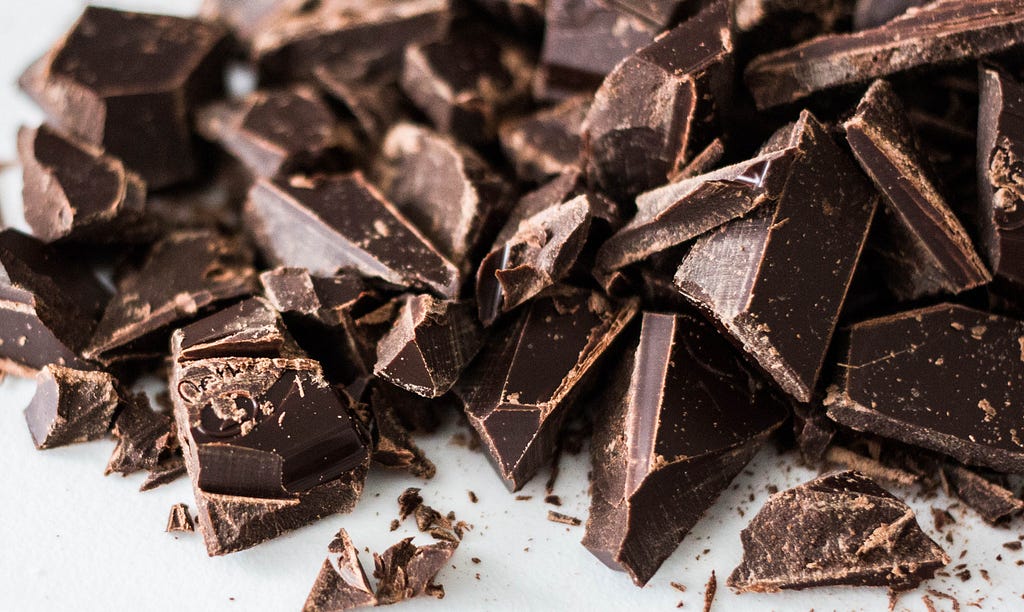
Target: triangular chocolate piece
[342,583]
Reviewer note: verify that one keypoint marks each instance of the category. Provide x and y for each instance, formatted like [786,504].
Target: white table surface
[72,539]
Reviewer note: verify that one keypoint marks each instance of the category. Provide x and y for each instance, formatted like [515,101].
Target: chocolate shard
[526,379]
[873,13]
[278,131]
[371,96]
[180,519]
[851,532]
[546,143]
[755,275]
[75,192]
[166,471]
[144,437]
[896,373]
[941,32]
[71,406]
[182,276]
[465,82]
[542,252]
[49,306]
[684,417]
[444,188]
[405,570]
[394,446]
[128,83]
[327,223]
[1001,189]
[250,328]
[994,502]
[430,343]
[928,250]
[650,114]
[342,583]
[767,25]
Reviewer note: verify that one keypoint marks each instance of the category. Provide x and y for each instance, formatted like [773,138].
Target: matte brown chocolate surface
[71,406]
[342,583]
[994,502]
[405,570]
[547,142]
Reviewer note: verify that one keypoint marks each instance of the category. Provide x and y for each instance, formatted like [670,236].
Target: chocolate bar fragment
[405,570]
[276,132]
[166,471]
[71,406]
[393,445]
[332,222]
[776,280]
[928,251]
[75,192]
[648,118]
[840,529]
[342,583]
[945,378]
[684,416]
[1001,187]
[431,342]
[128,83]
[49,306]
[250,328]
[180,519]
[942,32]
[444,188]
[767,25]
[994,502]
[144,437]
[520,388]
[546,143]
[182,276]
[873,13]
[372,97]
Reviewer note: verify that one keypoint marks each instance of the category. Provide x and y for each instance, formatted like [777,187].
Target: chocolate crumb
[524,497]
[1012,545]
[472,497]
[942,518]
[554,500]
[709,591]
[558,517]
[677,586]
[964,575]
[180,519]
[408,502]
[394,524]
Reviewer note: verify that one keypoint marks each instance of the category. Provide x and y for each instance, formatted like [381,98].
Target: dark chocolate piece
[394,446]
[342,583]
[565,519]
[166,471]
[144,437]
[872,468]
[546,143]
[648,118]
[701,163]
[372,97]
[840,529]
[128,82]
[71,406]
[251,328]
[405,570]
[408,502]
[947,378]
[942,32]
[183,275]
[74,191]
[683,416]
[873,13]
[929,251]
[327,223]
[431,342]
[444,188]
[777,279]
[212,203]
[180,519]
[994,502]
[767,25]
[246,17]
[710,589]
[521,387]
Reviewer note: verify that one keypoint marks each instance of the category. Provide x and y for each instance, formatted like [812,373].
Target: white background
[71,539]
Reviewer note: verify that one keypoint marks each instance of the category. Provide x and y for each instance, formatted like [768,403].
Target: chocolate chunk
[1001,188]
[680,78]
[182,276]
[520,388]
[942,32]
[444,188]
[405,570]
[276,132]
[342,583]
[49,305]
[897,370]
[180,519]
[74,191]
[431,342]
[326,223]
[251,328]
[70,406]
[128,82]
[873,13]
[144,437]
[166,471]
[546,143]
[776,279]
[682,418]
[465,82]
[994,502]
[394,446]
[927,251]
[372,97]
[851,532]
[767,25]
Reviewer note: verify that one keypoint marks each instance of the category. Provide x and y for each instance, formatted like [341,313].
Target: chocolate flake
[546,143]
[405,570]
[71,406]
[992,501]
[408,502]
[709,591]
[167,470]
[180,519]
[143,436]
[565,519]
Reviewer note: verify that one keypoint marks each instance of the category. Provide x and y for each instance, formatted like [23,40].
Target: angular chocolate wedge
[251,328]
[342,583]
[183,275]
[128,83]
[840,529]
[405,570]
[372,97]
[180,519]
[520,388]
[685,416]
[994,502]
[430,343]
[49,306]
[144,437]
[649,116]
[947,378]
[71,406]
[327,223]
[776,279]
[546,143]
[942,32]
[74,191]
[927,249]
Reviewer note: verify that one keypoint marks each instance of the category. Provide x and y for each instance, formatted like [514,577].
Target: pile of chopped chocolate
[698,225]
